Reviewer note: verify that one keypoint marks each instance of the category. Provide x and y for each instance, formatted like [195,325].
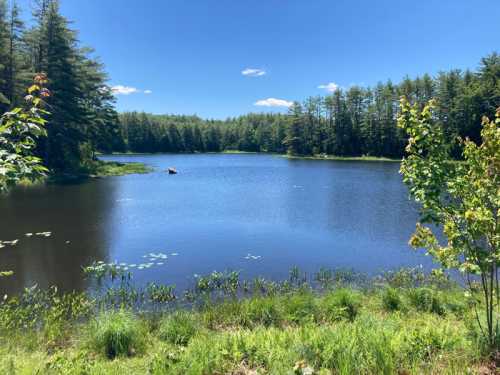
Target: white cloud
[252,72]
[273,102]
[330,87]
[127,90]
[123,90]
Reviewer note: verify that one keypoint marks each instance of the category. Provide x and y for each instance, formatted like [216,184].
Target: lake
[260,214]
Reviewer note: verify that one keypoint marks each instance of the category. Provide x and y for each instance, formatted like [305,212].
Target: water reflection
[78,217]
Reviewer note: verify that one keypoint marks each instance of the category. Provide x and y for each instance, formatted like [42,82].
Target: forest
[355,121]
[81,105]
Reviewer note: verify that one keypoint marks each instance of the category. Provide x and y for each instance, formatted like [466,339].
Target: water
[216,211]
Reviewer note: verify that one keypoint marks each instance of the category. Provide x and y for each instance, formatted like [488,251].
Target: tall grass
[366,346]
[178,328]
[117,334]
[407,326]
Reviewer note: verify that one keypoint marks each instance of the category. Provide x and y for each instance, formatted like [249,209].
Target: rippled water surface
[216,212]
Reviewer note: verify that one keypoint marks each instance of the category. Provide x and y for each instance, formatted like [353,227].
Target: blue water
[213,213]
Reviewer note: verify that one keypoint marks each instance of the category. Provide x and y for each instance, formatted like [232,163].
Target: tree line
[81,104]
[350,122]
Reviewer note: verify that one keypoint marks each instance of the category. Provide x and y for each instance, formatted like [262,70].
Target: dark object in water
[172,171]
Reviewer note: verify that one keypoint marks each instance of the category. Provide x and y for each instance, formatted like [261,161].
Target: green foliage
[117,334]
[111,168]
[19,130]
[368,346]
[178,328]
[299,307]
[35,307]
[426,300]
[412,277]
[83,117]
[262,311]
[341,304]
[292,330]
[462,197]
[391,299]
[161,293]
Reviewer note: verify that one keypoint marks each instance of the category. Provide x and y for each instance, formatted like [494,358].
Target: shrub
[341,304]
[178,328]
[426,300]
[299,307]
[264,311]
[391,299]
[117,334]
[227,313]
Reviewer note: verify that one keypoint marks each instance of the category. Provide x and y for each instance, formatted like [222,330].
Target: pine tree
[294,131]
[15,79]
[4,56]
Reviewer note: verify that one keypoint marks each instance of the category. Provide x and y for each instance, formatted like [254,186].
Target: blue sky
[187,56]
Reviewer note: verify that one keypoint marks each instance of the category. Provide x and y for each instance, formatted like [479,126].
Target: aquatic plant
[100,271]
[161,294]
[324,277]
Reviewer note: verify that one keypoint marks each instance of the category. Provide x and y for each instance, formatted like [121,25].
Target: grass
[113,168]
[100,168]
[391,329]
[240,152]
[116,333]
[343,158]
[391,299]
[178,328]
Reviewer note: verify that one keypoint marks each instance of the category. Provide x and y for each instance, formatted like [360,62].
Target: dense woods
[81,105]
[349,122]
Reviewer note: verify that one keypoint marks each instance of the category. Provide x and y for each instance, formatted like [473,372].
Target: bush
[391,300]
[178,328]
[426,300]
[299,307]
[264,311]
[117,334]
[341,304]
[223,314]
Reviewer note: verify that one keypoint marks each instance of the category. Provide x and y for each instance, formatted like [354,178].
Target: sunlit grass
[344,158]
[116,334]
[113,168]
[410,324]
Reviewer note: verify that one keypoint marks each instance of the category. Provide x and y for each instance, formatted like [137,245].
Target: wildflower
[40,78]
[29,98]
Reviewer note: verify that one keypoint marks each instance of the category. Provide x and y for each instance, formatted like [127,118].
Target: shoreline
[236,152]
[410,327]
[101,169]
